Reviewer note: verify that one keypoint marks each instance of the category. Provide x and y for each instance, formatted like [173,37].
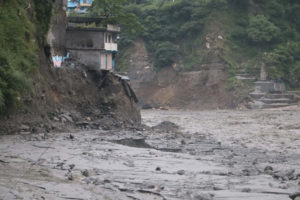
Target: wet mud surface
[247,155]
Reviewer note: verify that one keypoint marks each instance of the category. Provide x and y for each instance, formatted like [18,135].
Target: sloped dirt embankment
[73,98]
[202,88]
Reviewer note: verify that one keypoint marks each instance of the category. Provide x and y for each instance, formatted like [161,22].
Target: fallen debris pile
[166,126]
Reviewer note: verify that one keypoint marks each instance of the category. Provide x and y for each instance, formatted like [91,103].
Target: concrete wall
[106,60]
[269,86]
[84,39]
[89,58]
[111,46]
[93,58]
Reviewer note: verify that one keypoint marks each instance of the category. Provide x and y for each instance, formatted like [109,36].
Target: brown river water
[221,154]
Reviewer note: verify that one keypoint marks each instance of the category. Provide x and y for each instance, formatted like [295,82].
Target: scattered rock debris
[166,126]
[126,164]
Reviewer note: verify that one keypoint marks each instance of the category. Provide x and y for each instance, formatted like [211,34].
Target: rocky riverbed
[199,155]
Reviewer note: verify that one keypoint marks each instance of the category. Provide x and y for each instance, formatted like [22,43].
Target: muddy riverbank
[222,154]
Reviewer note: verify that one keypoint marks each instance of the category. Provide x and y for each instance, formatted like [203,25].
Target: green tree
[190,28]
[12,83]
[165,55]
[293,14]
[242,4]
[114,12]
[261,30]
[108,9]
[283,63]
[43,11]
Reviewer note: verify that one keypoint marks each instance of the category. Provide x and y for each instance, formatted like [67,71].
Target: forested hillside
[23,26]
[245,34]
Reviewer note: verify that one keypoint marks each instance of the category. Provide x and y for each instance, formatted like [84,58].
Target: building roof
[86,2]
[80,3]
[85,5]
[93,29]
[72,4]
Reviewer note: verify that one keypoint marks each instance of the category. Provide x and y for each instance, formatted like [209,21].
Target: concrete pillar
[263,72]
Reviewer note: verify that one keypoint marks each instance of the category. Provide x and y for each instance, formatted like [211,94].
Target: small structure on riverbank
[271,94]
[91,44]
[267,93]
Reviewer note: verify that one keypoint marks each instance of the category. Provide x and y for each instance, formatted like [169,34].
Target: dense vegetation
[254,32]
[112,12]
[23,25]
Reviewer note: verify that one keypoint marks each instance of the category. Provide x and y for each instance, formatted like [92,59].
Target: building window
[89,43]
[108,38]
[81,43]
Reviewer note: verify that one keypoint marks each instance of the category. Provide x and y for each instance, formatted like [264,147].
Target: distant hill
[244,34]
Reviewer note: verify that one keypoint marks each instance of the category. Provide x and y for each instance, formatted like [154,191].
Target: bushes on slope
[19,29]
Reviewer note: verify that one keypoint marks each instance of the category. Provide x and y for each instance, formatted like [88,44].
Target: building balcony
[111,46]
[113,28]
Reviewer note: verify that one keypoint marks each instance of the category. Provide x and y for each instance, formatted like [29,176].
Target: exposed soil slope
[66,98]
[202,88]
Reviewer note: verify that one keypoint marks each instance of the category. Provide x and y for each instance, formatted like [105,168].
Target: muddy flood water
[192,155]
